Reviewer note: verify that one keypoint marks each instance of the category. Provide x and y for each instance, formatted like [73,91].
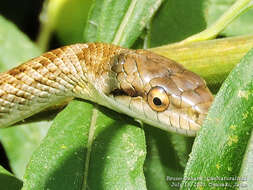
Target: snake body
[139,83]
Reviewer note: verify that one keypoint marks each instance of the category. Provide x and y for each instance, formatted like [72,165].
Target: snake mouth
[156,91]
[186,121]
[180,117]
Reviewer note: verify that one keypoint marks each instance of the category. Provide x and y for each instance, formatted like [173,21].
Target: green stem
[213,59]
[44,36]
[45,28]
[211,32]
[48,19]
[146,43]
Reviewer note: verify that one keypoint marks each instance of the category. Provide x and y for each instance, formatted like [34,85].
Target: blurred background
[26,16]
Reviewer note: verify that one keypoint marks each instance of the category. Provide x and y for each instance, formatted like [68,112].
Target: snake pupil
[157,101]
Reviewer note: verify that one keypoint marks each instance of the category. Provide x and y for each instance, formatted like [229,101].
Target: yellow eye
[158,99]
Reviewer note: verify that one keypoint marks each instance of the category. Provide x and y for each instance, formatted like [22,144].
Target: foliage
[91,147]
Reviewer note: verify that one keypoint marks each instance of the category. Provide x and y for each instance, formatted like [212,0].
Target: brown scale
[159,82]
[183,88]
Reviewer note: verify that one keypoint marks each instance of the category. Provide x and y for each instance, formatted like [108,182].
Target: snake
[144,85]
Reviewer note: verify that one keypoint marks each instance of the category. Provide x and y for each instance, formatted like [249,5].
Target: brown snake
[139,83]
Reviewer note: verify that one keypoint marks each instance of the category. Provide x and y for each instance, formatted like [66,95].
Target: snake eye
[158,99]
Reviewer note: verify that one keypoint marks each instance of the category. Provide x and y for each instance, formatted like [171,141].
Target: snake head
[160,92]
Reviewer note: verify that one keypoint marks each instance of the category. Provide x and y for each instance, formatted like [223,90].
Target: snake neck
[80,70]
[121,79]
[95,62]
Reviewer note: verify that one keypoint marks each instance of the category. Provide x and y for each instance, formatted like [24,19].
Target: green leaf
[15,47]
[19,142]
[246,173]
[182,146]
[241,26]
[95,151]
[60,158]
[177,20]
[164,160]
[80,152]
[213,60]
[71,20]
[229,122]
[8,181]
[118,153]
[119,22]
[67,18]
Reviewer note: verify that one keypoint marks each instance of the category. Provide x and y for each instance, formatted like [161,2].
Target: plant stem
[213,59]
[48,18]
[211,32]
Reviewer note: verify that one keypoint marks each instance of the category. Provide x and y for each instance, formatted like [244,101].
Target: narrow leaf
[120,22]
[86,148]
[219,147]
[246,173]
[15,47]
[58,163]
[177,20]
[82,153]
[241,26]
[104,20]
[118,154]
[19,142]
[213,59]
[67,18]
[71,21]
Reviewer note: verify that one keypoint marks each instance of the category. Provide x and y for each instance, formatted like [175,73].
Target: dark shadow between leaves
[8,182]
[69,174]
[159,144]
[4,159]
[180,19]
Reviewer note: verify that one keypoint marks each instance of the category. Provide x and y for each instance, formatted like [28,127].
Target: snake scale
[139,83]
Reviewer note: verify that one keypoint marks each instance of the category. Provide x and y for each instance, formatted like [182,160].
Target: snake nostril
[203,107]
